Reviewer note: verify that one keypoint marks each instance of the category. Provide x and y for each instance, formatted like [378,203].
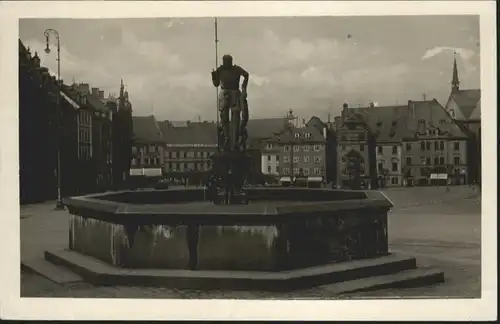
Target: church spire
[455,82]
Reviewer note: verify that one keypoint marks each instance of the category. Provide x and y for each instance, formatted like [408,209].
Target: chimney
[372,105]
[84,87]
[345,106]
[101,94]
[324,132]
[95,92]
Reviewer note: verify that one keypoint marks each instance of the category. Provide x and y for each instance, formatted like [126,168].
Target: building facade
[434,147]
[464,107]
[355,150]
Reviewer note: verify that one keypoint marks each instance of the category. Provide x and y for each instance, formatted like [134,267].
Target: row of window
[200,166]
[438,146]
[380,150]
[344,147]
[438,160]
[296,159]
[394,167]
[147,161]
[305,148]
[299,171]
[188,154]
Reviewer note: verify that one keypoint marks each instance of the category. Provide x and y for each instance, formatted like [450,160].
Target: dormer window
[442,121]
[421,122]
[297,135]
[379,124]
[307,135]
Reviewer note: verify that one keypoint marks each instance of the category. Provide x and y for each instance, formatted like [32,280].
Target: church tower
[455,83]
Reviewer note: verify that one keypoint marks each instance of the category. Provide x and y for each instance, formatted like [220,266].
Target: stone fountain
[232,237]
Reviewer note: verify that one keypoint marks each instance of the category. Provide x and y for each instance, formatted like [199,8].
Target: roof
[386,122]
[286,136]
[467,100]
[476,113]
[189,133]
[265,127]
[146,129]
[435,115]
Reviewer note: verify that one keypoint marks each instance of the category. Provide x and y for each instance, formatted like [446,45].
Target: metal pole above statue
[232,108]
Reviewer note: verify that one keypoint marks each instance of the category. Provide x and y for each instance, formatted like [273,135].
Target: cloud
[465,54]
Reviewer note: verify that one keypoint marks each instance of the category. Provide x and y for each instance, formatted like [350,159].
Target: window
[269,158]
[296,148]
[286,159]
[317,159]
[428,146]
[297,135]
[421,122]
[441,145]
[296,159]
[456,146]
[295,171]
[152,148]
[181,154]
[394,180]
[146,160]
[306,158]
[317,147]
[268,169]
[422,160]
[456,160]
[286,148]
[379,150]
[452,113]
[306,171]
[134,150]
[380,166]
[436,145]
[307,135]
[361,147]
[277,158]
[408,160]
[306,148]
[277,169]
[408,146]
[286,170]
[441,160]
[174,155]
[190,154]
[422,146]
[134,162]
[428,161]
[316,171]
[436,160]
[269,146]
[394,150]
[394,166]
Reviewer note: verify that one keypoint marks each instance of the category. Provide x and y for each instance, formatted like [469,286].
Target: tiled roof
[385,122]
[200,133]
[467,100]
[434,114]
[287,136]
[146,129]
[476,113]
[265,127]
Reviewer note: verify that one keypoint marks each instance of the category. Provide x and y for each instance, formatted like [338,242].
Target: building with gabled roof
[464,106]
[433,145]
[148,143]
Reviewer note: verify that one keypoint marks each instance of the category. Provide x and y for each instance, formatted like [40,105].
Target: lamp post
[59,203]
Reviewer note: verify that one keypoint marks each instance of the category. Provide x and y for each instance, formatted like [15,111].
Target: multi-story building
[261,134]
[188,146]
[147,148]
[434,147]
[328,131]
[355,150]
[464,107]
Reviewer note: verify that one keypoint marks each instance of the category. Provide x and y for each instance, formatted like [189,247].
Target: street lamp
[59,203]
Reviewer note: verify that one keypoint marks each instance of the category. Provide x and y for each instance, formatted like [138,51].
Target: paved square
[439,228]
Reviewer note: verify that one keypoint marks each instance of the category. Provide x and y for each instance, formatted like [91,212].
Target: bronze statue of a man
[231,99]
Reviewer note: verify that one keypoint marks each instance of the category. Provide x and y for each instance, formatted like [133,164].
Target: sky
[311,65]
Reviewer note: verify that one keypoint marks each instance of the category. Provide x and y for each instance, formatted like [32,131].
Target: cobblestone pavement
[443,232]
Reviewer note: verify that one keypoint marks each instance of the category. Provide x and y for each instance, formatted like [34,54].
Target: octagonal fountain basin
[283,239]
[279,229]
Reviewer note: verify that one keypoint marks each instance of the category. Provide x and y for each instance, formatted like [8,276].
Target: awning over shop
[148,172]
[286,179]
[314,179]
